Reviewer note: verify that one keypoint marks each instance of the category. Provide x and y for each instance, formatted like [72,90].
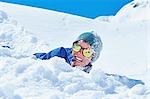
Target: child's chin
[79,64]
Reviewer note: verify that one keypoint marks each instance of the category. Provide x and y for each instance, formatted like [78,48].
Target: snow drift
[23,77]
[126,38]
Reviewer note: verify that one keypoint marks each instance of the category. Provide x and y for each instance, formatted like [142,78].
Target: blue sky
[85,8]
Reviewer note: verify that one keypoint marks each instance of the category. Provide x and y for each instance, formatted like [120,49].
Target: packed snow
[126,38]
[24,77]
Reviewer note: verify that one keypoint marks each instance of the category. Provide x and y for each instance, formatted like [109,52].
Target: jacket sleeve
[60,52]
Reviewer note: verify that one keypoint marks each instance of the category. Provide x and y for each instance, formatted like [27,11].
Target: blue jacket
[63,53]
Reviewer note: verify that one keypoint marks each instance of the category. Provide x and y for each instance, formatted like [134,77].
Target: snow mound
[13,36]
[134,11]
[23,77]
[126,38]
[55,78]
[3,16]
[104,18]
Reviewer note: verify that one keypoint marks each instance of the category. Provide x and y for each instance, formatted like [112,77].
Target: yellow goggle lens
[87,53]
[76,47]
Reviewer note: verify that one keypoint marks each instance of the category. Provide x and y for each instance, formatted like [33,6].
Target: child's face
[82,53]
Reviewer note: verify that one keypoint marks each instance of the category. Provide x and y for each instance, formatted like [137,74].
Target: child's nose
[80,53]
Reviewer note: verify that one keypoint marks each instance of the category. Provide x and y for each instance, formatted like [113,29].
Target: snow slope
[23,77]
[120,36]
[45,23]
[126,38]
[134,11]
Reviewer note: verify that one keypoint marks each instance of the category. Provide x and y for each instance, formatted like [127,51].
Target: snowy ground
[23,77]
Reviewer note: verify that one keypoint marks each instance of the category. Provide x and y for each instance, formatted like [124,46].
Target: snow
[134,11]
[26,30]
[45,22]
[123,37]
[29,78]
[126,38]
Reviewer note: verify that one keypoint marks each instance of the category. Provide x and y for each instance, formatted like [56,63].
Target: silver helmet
[94,41]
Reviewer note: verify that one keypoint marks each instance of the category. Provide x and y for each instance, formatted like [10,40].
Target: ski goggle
[85,52]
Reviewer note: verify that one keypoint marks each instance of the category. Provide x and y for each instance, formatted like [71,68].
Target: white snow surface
[126,38]
[26,30]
